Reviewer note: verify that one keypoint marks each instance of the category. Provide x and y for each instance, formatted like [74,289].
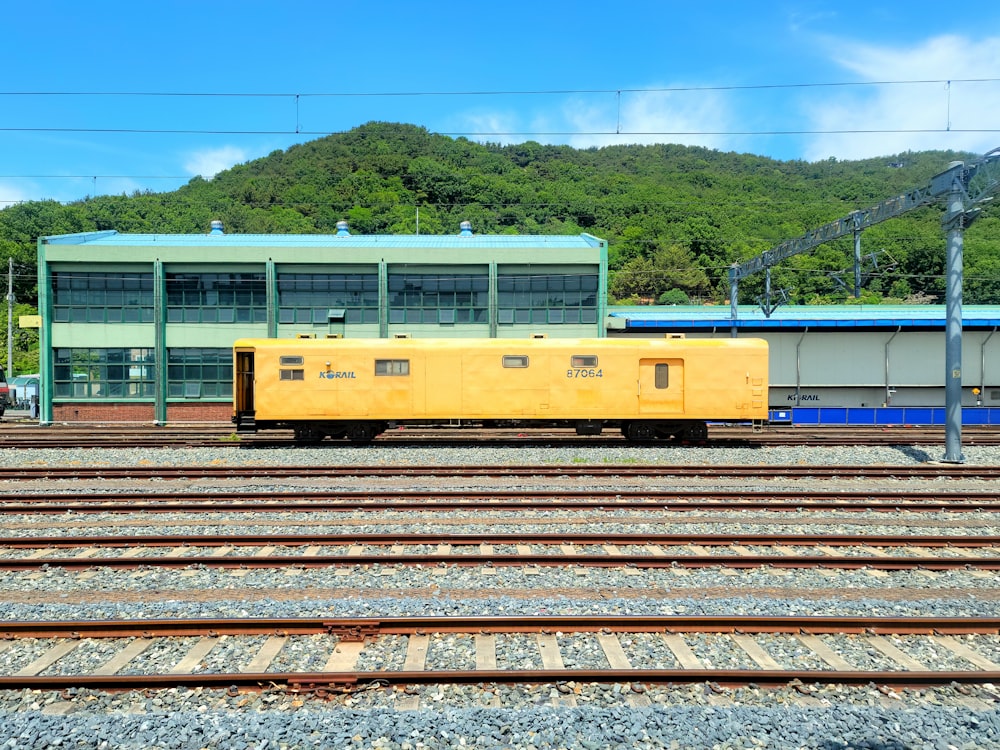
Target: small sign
[30,321]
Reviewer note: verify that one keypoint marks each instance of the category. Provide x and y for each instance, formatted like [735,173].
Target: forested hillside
[676,217]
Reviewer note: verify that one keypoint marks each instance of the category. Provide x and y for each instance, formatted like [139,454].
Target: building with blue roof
[849,364]
[140,327]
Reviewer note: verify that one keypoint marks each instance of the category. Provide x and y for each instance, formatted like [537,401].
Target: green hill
[676,217]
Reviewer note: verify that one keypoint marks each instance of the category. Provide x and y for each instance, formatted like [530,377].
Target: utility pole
[954,222]
[10,317]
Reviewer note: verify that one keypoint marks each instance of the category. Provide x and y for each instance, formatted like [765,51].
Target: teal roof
[500,241]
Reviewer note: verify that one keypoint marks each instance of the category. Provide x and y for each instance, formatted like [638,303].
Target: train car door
[661,386]
[244,383]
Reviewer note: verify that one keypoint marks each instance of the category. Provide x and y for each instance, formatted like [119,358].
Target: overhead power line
[511,133]
[512,92]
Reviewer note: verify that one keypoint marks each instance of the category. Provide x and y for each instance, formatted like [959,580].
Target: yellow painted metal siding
[453,379]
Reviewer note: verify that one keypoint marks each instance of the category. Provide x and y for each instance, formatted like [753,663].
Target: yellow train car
[356,388]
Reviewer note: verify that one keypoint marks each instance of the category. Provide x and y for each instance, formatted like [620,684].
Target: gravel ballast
[818,716]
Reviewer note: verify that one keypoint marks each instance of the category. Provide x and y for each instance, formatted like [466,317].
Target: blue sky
[111,97]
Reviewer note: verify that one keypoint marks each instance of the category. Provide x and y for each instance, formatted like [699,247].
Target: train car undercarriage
[364,431]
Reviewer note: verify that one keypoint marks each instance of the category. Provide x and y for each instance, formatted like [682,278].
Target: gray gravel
[346,455]
[817,716]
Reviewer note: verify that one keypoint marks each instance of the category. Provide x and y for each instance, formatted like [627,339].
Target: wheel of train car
[697,431]
[360,432]
[640,431]
[308,433]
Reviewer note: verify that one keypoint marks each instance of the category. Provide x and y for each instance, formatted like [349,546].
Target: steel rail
[479,538]
[359,628]
[850,562]
[323,683]
[182,435]
[497,500]
[935,471]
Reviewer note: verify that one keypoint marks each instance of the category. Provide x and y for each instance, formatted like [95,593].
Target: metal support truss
[967,187]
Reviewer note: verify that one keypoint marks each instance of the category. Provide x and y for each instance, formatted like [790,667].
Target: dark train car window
[583,360]
[292,375]
[515,360]
[392,367]
[661,376]
[290,360]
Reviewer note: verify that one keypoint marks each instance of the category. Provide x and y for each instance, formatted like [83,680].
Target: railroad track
[682,500]
[180,435]
[493,550]
[928,471]
[280,654]
[409,663]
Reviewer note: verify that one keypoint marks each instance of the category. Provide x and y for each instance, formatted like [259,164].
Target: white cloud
[651,116]
[689,118]
[210,162]
[11,194]
[909,116]
[484,123]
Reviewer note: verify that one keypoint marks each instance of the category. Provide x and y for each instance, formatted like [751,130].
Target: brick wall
[141,412]
[195,412]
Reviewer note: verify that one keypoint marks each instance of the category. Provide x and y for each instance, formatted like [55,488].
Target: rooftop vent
[465,229]
[342,230]
[216,227]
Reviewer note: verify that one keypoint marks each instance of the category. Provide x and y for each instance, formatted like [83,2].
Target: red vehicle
[4,391]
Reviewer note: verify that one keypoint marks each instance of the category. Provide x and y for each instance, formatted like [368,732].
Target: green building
[140,327]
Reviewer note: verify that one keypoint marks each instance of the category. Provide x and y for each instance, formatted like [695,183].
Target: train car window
[392,367]
[661,376]
[289,360]
[292,375]
[515,360]
[583,360]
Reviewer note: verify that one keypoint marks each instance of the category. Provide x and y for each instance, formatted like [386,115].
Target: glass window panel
[515,360]
[392,367]
[661,376]
[206,370]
